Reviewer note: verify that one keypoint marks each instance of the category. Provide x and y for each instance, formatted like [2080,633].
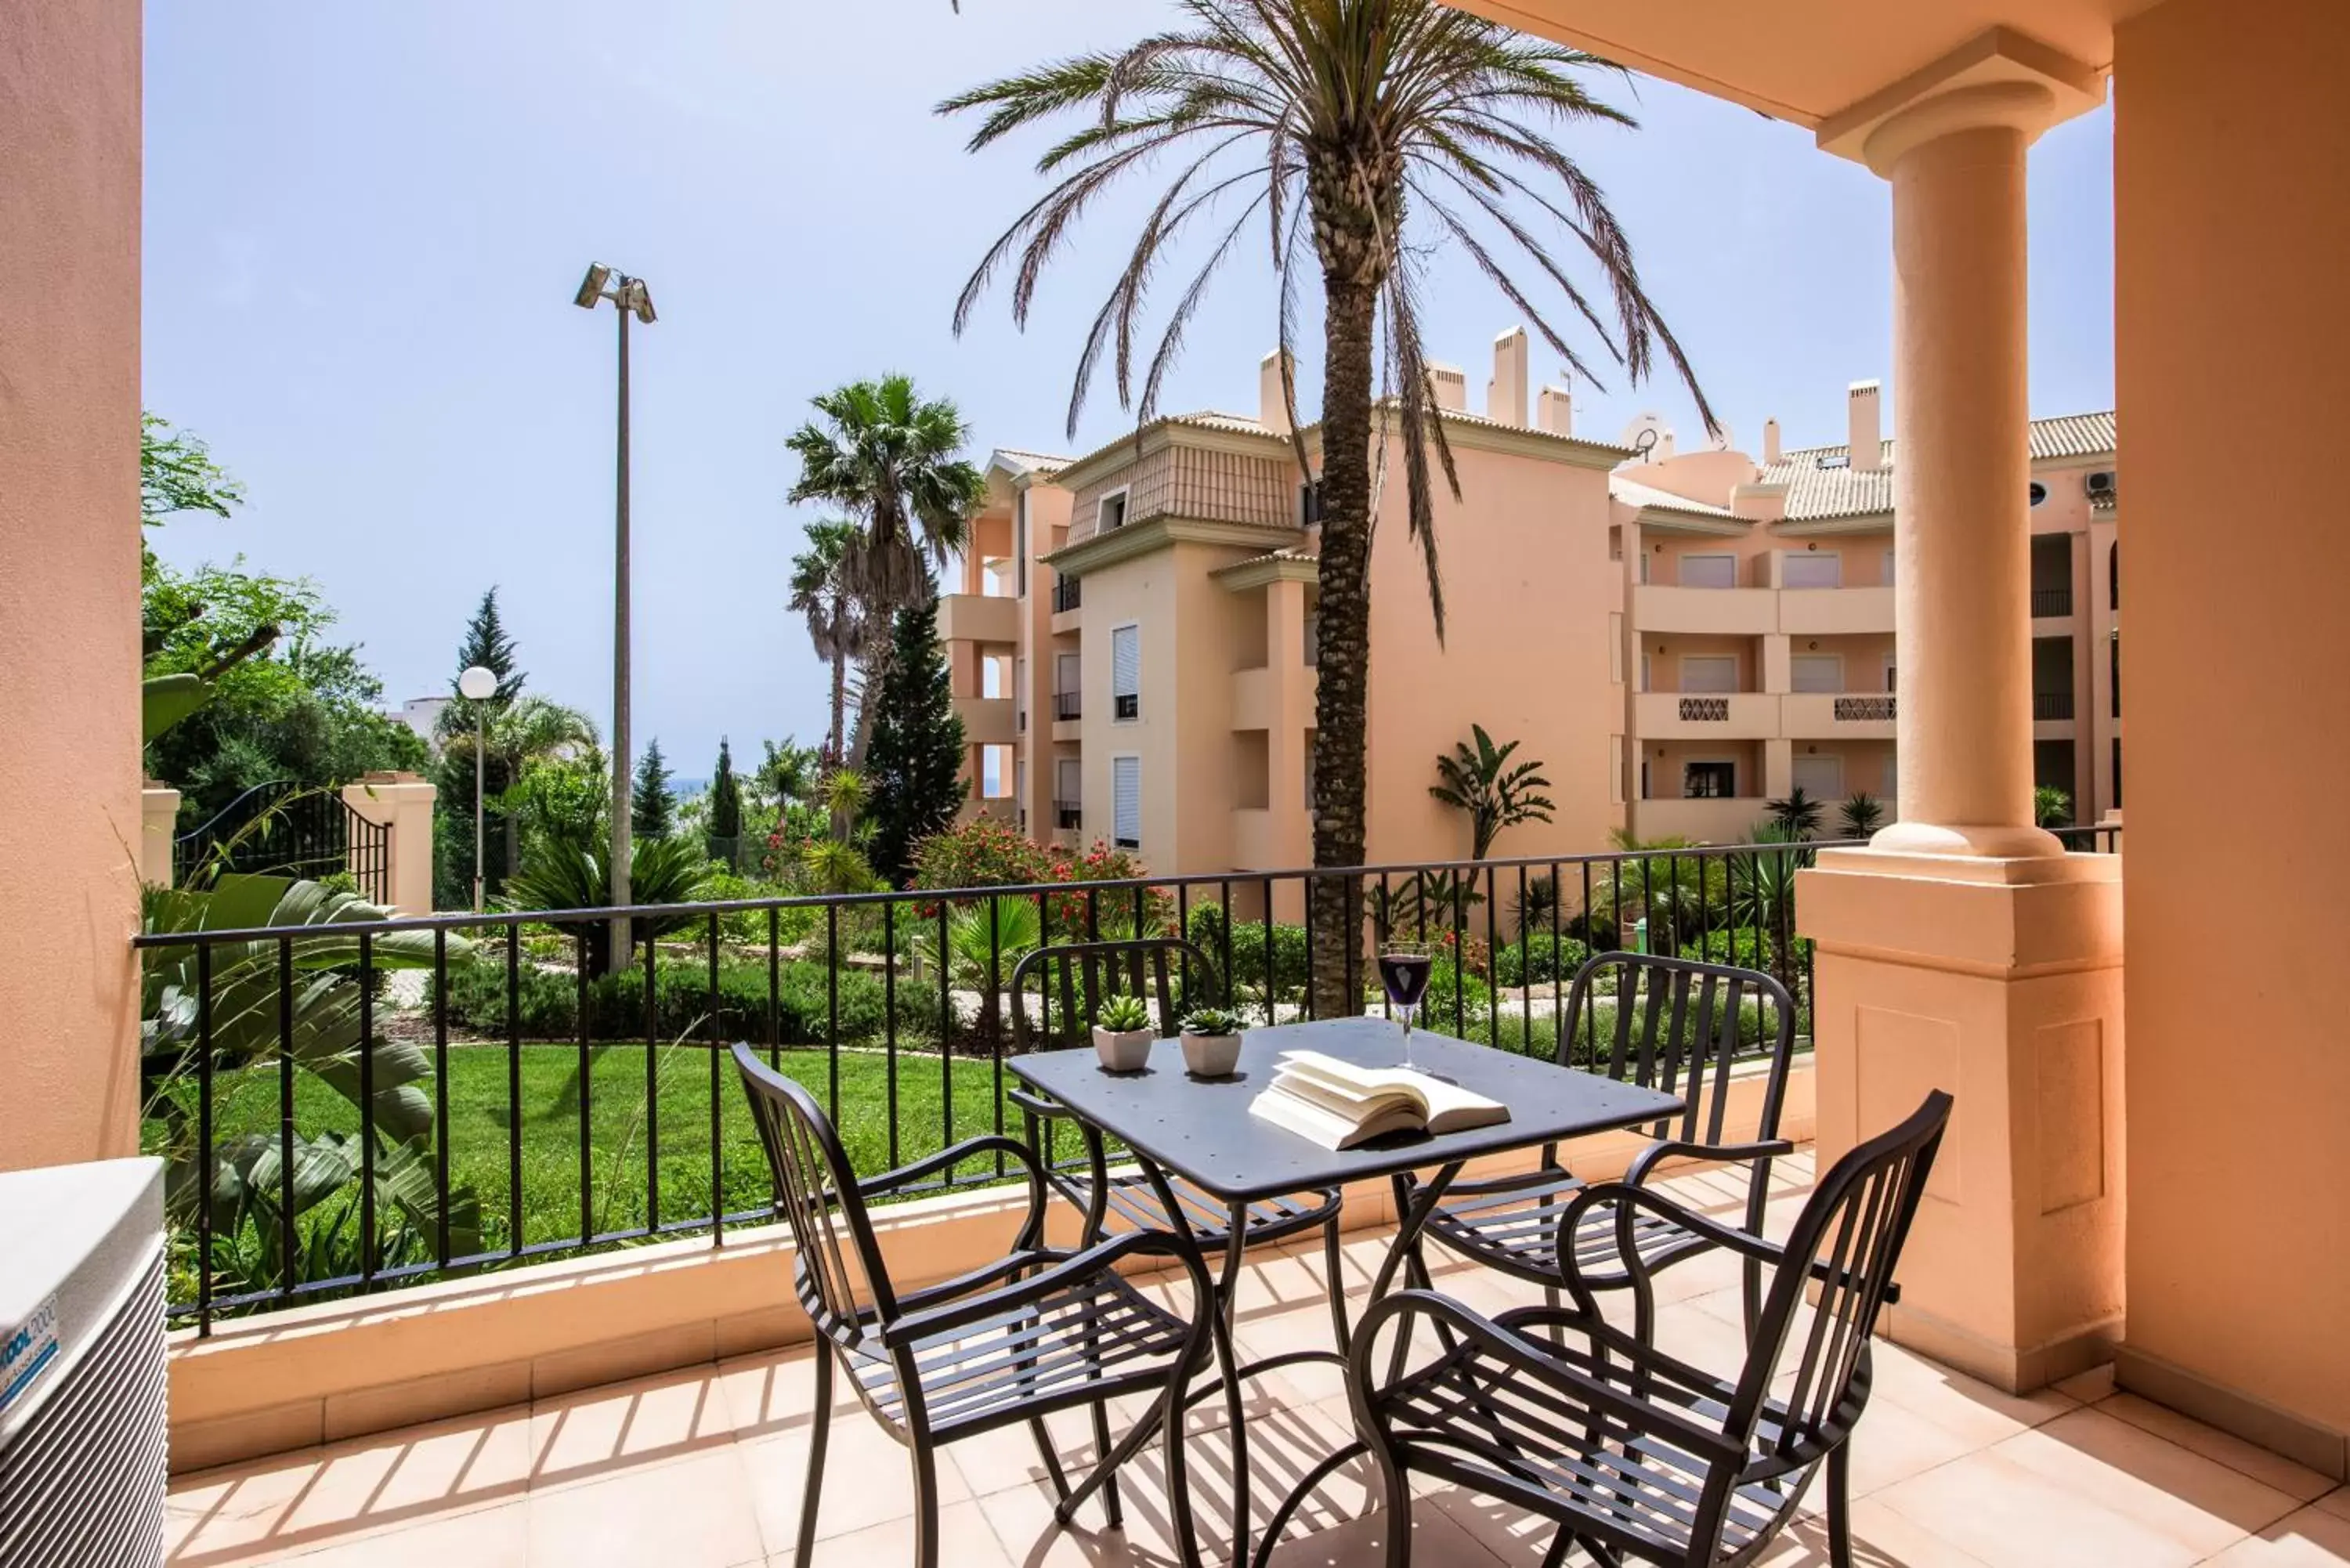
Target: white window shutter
[1822,569]
[1709,571]
[1816,672]
[1126,798]
[1126,671]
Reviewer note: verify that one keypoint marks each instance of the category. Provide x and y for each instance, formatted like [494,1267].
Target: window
[1308,803]
[1711,672]
[1126,801]
[1890,668]
[1313,638]
[1892,792]
[1889,580]
[1125,672]
[1020,779]
[1709,781]
[1020,546]
[1066,678]
[1110,513]
[1821,570]
[1709,571]
[1309,504]
[1615,770]
[1822,778]
[1020,690]
[1615,647]
[1816,672]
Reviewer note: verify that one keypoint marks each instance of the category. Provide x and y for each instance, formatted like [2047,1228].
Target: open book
[1340,1105]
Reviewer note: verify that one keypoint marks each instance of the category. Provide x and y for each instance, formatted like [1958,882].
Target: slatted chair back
[1073,979]
[1678,1025]
[1850,1232]
[838,1273]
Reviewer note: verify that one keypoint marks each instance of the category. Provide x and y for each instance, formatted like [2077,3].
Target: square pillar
[1999,981]
[404,801]
[1778,767]
[159,820]
[1778,662]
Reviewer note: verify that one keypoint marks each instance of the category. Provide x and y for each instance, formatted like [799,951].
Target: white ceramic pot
[1211,1055]
[1123,1051]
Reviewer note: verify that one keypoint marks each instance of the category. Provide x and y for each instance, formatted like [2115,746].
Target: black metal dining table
[1200,1130]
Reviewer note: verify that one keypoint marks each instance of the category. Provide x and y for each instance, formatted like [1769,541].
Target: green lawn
[482,1108]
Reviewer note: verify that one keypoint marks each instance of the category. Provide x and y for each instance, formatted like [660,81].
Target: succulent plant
[1123,1013]
[1211,1021]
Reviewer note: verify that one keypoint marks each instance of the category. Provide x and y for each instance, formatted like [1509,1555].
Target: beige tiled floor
[702,1468]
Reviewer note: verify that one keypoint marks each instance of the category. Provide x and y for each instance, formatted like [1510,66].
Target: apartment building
[1759,622]
[1133,646]
[1677,637]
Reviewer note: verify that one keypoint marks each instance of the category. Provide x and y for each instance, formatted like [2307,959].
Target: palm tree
[889,456]
[1340,124]
[1494,795]
[835,623]
[1798,814]
[532,731]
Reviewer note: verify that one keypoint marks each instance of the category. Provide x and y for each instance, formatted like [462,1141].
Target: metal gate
[283,829]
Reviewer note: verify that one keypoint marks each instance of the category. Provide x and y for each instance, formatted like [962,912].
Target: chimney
[1272,407]
[1770,441]
[1505,394]
[1450,386]
[1867,427]
[1557,411]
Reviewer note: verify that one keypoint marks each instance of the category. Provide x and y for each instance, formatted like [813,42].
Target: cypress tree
[725,807]
[652,808]
[486,644]
[915,761]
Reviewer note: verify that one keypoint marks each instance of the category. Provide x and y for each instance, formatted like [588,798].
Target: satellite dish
[1645,433]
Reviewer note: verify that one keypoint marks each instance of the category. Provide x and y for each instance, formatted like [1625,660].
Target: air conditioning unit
[82,1384]
[2101,482]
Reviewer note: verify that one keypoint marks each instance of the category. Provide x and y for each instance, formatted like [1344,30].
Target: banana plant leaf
[165,700]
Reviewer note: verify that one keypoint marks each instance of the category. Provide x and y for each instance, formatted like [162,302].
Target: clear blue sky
[365,223]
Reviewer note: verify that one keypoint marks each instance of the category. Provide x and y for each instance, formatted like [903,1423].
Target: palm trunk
[1346,643]
[839,705]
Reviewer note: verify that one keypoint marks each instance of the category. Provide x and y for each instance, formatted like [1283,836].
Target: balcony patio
[701,1467]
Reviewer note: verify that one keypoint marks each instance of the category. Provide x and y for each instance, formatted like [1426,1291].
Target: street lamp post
[477,685]
[630,297]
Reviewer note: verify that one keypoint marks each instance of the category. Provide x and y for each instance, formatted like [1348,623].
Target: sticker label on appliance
[27,1352]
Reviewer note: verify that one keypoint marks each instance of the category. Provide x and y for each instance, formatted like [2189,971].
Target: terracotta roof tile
[1821,482]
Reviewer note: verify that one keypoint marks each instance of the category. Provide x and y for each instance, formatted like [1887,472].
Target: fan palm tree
[1363,135]
[532,731]
[835,623]
[889,456]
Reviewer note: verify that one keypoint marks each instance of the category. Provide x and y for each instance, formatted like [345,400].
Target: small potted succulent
[1211,1042]
[1122,1035]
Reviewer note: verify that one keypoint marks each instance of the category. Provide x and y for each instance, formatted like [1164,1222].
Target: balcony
[1818,715]
[1736,612]
[1068,816]
[978,617]
[1068,705]
[1835,612]
[2051,707]
[1262,700]
[986,721]
[1068,594]
[1729,820]
[2052,604]
[1714,716]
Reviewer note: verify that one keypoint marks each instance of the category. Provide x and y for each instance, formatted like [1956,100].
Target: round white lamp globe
[478,683]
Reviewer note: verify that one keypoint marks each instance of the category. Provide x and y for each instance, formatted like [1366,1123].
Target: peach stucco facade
[70,819]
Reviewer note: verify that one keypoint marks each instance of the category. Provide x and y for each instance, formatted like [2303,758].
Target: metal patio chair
[1639,1457]
[1037,1332]
[1676,1027]
[1086,973]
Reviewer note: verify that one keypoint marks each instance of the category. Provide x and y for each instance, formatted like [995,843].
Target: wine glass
[1404,969]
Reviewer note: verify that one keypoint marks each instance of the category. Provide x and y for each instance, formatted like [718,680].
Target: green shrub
[682,1005]
[1248,952]
[1538,960]
[1748,948]
[1450,991]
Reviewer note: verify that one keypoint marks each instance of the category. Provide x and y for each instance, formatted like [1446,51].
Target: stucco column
[1963,951]
[1293,711]
[1778,662]
[404,801]
[1962,603]
[158,819]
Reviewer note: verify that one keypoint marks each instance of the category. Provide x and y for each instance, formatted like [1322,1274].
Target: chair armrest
[1663,1149]
[1536,1361]
[946,1159]
[1711,1230]
[1071,1268]
[1037,1105]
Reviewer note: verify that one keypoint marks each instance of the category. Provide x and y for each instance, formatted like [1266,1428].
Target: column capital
[1997,78]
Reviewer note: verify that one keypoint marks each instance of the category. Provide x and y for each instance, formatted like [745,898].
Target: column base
[1999,979]
[1984,842]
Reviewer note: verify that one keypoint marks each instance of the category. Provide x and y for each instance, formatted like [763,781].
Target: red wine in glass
[1404,971]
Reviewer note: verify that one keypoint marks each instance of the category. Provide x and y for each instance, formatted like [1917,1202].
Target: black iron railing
[2052,705]
[2094,839]
[1705,710]
[2051,602]
[1863,710]
[1070,815]
[465,1092]
[1068,593]
[1068,705]
[285,829]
